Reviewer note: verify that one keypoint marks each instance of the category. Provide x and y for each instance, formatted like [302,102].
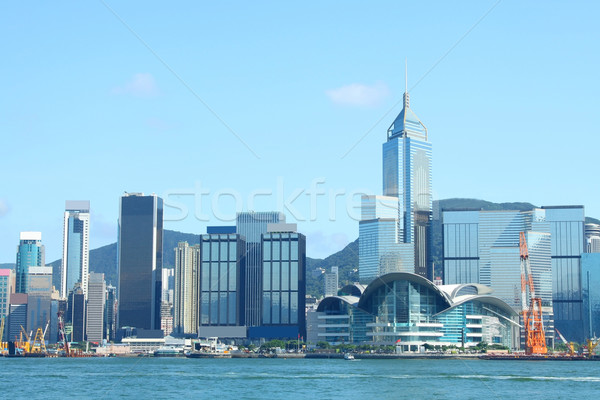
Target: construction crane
[591,346]
[569,345]
[39,344]
[535,339]
[63,337]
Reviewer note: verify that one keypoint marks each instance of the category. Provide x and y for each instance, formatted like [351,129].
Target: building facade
[590,282]
[222,283]
[331,282]
[140,261]
[110,313]
[251,225]
[30,253]
[186,295]
[96,305]
[6,288]
[592,238]
[76,247]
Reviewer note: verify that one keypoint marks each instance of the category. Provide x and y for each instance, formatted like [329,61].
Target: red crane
[535,339]
[63,337]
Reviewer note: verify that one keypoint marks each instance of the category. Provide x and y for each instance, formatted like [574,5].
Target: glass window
[223,308]
[223,286]
[294,250]
[205,251]
[232,276]
[232,308]
[285,307]
[294,275]
[275,308]
[214,308]
[205,276]
[266,275]
[204,308]
[293,307]
[214,276]
[285,250]
[266,308]
[276,253]
[232,251]
[285,275]
[276,275]
[266,250]
[224,246]
[214,250]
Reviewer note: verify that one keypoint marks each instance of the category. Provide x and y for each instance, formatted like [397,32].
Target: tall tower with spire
[407,176]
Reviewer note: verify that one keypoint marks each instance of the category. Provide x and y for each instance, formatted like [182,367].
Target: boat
[349,357]
[168,351]
[209,348]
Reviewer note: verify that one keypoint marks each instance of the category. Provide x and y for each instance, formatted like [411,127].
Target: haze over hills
[104,259]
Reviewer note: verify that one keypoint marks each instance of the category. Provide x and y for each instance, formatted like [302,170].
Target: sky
[220,107]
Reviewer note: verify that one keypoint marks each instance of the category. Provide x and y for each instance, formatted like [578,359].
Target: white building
[76,247]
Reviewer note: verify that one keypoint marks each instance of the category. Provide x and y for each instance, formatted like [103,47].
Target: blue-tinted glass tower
[75,260]
[140,252]
[407,176]
[30,253]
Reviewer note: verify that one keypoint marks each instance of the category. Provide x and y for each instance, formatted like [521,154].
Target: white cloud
[357,94]
[3,208]
[140,85]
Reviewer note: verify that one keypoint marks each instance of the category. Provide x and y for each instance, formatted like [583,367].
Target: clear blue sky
[300,93]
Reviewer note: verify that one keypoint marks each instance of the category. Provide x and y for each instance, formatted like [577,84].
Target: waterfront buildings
[222,285]
[408,311]
[331,282]
[251,225]
[590,284]
[7,283]
[96,303]
[140,261]
[39,299]
[398,238]
[110,313]
[187,266]
[17,315]
[30,253]
[76,314]
[76,242]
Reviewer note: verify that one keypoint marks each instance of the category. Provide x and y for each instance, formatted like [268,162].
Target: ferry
[210,348]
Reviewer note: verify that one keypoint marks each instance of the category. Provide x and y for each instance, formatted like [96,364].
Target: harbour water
[150,378]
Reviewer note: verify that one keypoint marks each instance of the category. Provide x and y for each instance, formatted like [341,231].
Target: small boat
[210,348]
[348,356]
[168,351]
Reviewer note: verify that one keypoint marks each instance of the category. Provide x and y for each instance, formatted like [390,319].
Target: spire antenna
[406,75]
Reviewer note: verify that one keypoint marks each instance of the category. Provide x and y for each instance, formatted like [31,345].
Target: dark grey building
[140,258]
[76,314]
[110,313]
[251,225]
[222,285]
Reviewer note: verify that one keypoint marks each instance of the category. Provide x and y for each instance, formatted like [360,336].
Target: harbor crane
[569,345]
[535,339]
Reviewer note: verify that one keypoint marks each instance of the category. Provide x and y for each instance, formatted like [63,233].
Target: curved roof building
[408,310]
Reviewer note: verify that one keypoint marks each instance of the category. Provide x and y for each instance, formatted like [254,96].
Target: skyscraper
[187,260]
[6,283]
[140,254]
[95,308]
[331,282]
[30,253]
[76,247]
[251,225]
[407,176]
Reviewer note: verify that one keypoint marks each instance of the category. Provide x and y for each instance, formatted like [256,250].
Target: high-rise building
[30,253]
[590,282]
[592,238]
[331,282]
[380,250]
[187,266]
[96,303]
[76,247]
[40,280]
[396,237]
[251,225]
[110,313]
[140,254]
[168,284]
[6,288]
[17,315]
[76,313]
[283,284]
[39,299]
[407,176]
[222,284]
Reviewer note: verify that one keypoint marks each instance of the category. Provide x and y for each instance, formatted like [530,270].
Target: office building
[592,238]
[185,306]
[96,303]
[76,314]
[30,253]
[222,286]
[397,237]
[251,225]
[110,313]
[76,242]
[331,282]
[140,259]
[6,288]
[590,282]
[17,316]
[39,307]
[380,248]
[283,284]
[40,280]
[168,284]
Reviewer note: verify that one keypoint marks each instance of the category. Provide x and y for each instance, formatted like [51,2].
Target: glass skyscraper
[76,243]
[140,253]
[251,225]
[30,253]
[590,281]
[407,176]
